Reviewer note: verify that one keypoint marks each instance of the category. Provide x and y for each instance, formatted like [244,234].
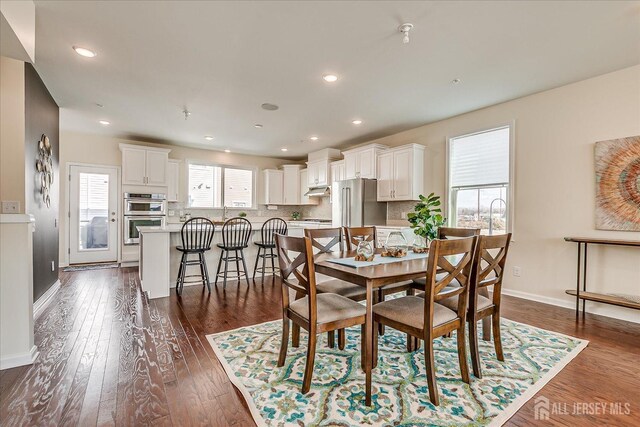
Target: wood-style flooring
[110,357]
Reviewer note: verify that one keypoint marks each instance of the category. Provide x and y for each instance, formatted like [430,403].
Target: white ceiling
[223,59]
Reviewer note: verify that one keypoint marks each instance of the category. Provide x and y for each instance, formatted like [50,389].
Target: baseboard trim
[15,360]
[45,299]
[608,311]
[128,263]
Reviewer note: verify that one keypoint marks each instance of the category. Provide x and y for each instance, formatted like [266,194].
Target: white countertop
[177,227]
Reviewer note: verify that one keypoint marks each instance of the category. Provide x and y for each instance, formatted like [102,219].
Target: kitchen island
[160,260]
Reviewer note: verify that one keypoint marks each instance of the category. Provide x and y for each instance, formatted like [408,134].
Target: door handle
[113,220]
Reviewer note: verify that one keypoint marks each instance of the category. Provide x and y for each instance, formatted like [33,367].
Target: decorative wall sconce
[44,165]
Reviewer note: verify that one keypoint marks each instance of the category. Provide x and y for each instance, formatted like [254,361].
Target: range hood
[318,191]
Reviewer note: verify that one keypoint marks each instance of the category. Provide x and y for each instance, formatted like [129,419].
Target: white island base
[159,260]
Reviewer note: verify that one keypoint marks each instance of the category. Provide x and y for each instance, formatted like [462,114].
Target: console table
[583,295]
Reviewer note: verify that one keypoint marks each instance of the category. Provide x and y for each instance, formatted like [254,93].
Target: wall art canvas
[618,184]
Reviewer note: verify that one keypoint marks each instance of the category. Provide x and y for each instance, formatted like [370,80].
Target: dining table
[370,277]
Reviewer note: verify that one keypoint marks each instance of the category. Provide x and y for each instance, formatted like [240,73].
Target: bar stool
[235,237]
[267,242]
[196,234]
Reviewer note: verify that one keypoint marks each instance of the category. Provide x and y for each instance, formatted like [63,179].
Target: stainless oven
[144,204]
[131,236]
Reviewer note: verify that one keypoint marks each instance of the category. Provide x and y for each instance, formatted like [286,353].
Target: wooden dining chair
[488,271]
[326,240]
[424,318]
[315,312]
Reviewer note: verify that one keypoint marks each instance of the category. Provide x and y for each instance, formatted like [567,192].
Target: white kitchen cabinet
[273,187]
[173,181]
[318,173]
[401,173]
[304,187]
[337,171]
[362,162]
[291,184]
[144,165]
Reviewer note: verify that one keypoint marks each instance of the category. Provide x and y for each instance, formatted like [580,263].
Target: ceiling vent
[269,107]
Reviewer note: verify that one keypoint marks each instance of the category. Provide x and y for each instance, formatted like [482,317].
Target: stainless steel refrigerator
[354,203]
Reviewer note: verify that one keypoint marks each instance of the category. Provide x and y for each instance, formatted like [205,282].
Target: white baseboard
[45,299]
[129,264]
[592,307]
[14,360]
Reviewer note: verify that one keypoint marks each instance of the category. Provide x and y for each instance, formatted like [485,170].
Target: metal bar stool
[235,237]
[196,234]
[267,244]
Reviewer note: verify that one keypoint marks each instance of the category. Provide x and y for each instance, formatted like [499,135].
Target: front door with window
[93,214]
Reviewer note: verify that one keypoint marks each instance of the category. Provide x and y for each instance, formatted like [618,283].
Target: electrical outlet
[172,213]
[53,266]
[403,215]
[10,207]
[517,271]
[272,207]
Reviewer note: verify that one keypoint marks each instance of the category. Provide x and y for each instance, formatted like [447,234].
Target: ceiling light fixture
[314,138]
[84,52]
[104,122]
[330,78]
[357,122]
[186,113]
[227,151]
[456,81]
[404,29]
[257,126]
[283,149]
[208,138]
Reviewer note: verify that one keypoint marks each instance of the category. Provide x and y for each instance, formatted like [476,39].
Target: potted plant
[242,214]
[426,219]
[296,215]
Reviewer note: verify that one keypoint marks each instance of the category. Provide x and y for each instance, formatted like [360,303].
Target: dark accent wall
[42,115]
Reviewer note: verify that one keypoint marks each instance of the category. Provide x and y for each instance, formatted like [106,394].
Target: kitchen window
[479,180]
[215,186]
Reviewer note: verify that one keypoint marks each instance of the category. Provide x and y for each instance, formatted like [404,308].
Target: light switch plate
[10,207]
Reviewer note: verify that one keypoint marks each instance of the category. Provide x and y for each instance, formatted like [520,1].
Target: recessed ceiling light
[258,126]
[314,138]
[209,138]
[357,122]
[84,52]
[227,151]
[456,81]
[104,122]
[283,149]
[330,78]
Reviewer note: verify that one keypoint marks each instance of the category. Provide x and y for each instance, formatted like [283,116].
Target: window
[213,186]
[479,181]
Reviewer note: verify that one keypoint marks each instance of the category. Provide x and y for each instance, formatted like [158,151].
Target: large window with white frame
[216,186]
[479,168]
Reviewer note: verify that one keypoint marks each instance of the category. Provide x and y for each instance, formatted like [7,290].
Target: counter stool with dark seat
[235,238]
[267,244]
[196,234]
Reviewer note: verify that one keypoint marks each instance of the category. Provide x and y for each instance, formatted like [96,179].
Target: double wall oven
[142,209]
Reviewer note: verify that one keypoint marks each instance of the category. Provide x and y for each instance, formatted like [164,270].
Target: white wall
[12,131]
[555,132]
[103,150]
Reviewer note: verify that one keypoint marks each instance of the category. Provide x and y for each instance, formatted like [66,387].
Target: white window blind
[479,159]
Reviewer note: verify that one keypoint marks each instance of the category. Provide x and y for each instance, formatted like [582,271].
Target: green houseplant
[427,217]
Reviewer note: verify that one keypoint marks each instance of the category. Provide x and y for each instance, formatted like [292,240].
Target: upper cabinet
[144,165]
[291,184]
[173,181]
[401,173]
[305,200]
[273,186]
[362,162]
[337,171]
[319,167]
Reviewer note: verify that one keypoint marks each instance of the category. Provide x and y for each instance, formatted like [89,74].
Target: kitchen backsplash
[322,210]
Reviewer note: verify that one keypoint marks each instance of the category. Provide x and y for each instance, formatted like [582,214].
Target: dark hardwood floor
[109,357]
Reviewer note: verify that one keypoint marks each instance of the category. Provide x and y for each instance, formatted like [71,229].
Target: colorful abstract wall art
[618,184]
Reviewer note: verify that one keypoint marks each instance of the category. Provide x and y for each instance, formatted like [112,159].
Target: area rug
[83,267]
[400,394]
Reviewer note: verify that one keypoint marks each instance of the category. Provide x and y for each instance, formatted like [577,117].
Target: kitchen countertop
[176,227]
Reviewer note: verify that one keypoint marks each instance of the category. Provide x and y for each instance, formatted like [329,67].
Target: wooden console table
[582,265]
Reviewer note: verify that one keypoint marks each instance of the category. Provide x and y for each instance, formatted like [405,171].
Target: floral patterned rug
[400,394]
